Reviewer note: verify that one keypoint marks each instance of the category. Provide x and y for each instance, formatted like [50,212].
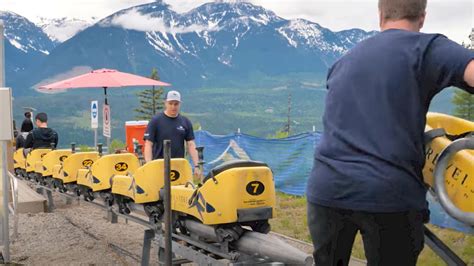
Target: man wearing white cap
[173,126]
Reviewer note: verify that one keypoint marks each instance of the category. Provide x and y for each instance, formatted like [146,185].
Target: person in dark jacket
[27,124]
[42,136]
[21,139]
[26,128]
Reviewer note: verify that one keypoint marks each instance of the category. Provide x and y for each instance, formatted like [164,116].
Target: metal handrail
[14,208]
[439,179]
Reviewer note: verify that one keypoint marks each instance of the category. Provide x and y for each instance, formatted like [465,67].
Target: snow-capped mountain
[62,29]
[210,20]
[215,44]
[25,46]
[25,35]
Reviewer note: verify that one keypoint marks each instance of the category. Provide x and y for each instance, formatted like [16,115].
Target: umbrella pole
[105,93]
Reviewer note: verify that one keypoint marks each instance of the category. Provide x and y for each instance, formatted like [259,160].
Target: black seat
[232,164]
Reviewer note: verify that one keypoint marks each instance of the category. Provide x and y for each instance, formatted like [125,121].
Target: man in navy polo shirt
[170,124]
[367,173]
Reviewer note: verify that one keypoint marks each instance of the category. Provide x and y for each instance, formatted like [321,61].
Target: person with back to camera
[25,130]
[367,173]
[42,136]
[27,124]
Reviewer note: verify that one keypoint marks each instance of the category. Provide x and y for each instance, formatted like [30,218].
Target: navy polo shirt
[177,129]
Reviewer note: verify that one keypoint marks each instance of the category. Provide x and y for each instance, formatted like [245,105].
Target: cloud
[71,8]
[453,18]
[134,20]
[75,71]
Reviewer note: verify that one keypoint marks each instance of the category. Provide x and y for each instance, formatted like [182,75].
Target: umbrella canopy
[103,78]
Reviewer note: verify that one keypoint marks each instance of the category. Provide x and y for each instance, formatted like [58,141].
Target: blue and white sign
[94,114]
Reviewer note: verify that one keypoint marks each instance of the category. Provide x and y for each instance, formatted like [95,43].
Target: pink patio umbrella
[103,78]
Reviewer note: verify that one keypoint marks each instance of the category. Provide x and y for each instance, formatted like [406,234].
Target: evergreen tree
[463,105]
[151,100]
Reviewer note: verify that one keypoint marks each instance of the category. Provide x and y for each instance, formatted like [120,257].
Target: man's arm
[148,151]
[194,157]
[447,63]
[469,75]
[192,151]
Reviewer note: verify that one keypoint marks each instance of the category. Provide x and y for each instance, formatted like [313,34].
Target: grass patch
[291,221]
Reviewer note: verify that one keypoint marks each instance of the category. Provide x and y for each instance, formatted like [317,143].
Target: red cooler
[134,130]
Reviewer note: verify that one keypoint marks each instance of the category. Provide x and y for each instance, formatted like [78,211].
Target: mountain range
[215,44]
[238,65]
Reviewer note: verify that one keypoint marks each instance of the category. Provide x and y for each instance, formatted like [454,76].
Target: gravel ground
[76,234]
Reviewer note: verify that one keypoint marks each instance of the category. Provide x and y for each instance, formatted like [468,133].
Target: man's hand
[197,174]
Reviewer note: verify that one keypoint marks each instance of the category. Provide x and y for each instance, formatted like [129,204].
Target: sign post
[95,120]
[2,56]
[106,124]
[6,135]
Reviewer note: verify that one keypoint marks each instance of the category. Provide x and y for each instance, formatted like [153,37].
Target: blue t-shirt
[371,154]
[177,129]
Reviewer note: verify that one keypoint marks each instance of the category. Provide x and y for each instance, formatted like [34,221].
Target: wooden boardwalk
[29,201]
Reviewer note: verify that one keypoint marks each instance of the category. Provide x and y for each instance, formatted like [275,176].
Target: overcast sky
[453,18]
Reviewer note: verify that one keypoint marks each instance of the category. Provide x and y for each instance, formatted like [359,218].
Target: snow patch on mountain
[62,29]
[134,20]
[25,35]
[302,31]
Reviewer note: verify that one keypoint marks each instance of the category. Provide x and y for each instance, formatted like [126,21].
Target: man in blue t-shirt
[367,173]
[172,126]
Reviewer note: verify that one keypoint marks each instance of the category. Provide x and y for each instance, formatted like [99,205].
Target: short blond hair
[402,9]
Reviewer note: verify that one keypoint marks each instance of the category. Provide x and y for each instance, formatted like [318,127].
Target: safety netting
[291,160]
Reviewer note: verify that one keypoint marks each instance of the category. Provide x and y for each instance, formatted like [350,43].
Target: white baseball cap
[173,96]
